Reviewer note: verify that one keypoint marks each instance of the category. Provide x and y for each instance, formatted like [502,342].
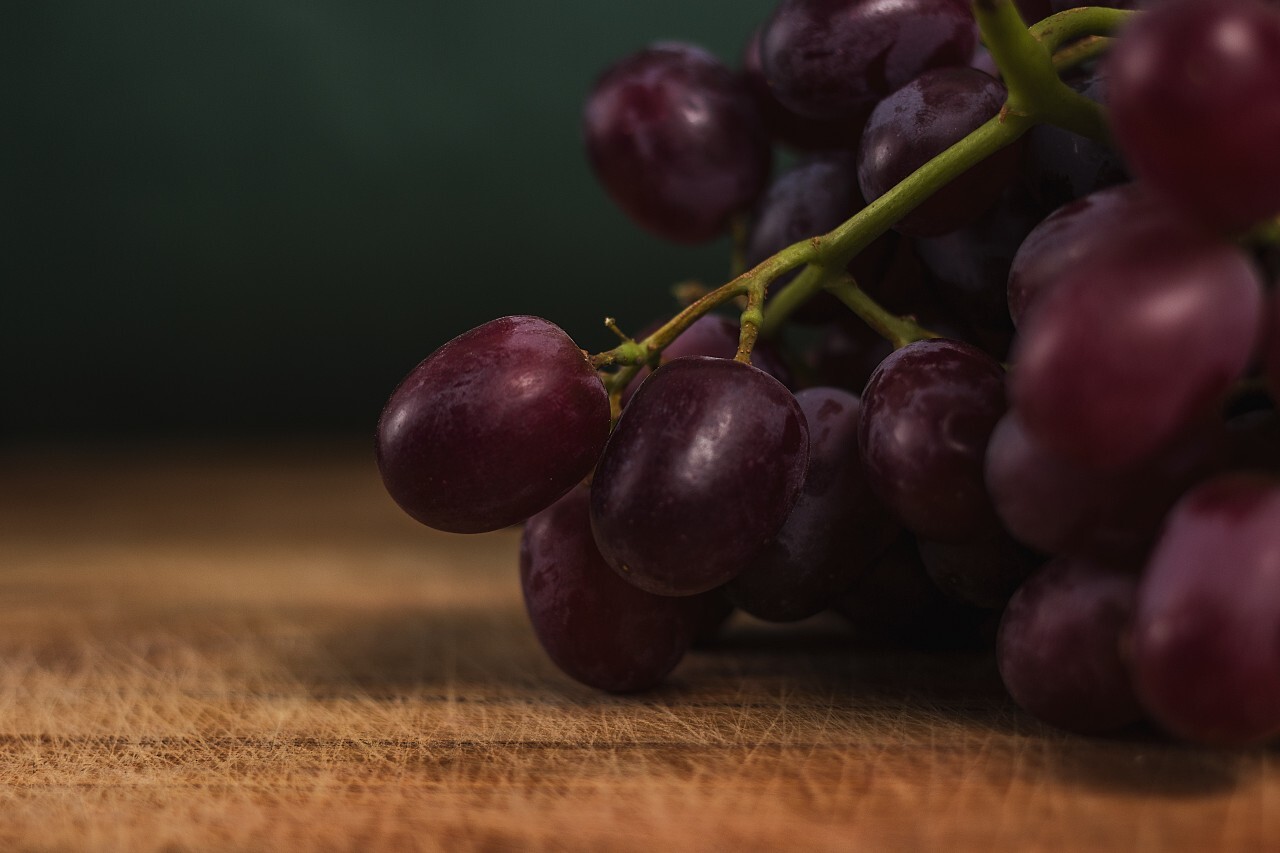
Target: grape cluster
[1051,407]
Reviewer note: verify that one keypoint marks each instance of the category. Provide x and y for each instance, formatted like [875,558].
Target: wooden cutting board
[251,648]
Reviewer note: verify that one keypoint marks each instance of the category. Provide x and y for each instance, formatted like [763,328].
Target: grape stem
[1027,62]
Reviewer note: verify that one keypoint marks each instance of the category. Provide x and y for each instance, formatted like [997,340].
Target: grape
[1136,343]
[983,572]
[1072,234]
[492,427]
[1195,107]
[835,530]
[702,469]
[595,626]
[847,354]
[676,141]
[1206,662]
[833,59]
[808,200]
[920,121]
[971,264]
[788,127]
[1053,504]
[927,415]
[1058,648]
[715,336]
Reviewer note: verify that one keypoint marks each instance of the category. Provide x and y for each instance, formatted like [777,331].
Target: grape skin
[492,427]
[596,627]
[1205,658]
[927,415]
[1195,107]
[702,469]
[676,141]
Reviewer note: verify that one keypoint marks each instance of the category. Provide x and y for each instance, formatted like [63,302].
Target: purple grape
[927,415]
[833,59]
[1056,505]
[595,626]
[1135,344]
[717,337]
[787,127]
[701,471]
[676,141]
[835,530]
[1205,655]
[971,265]
[492,427]
[1195,107]
[1059,646]
[808,200]
[1071,235]
[983,573]
[847,354]
[920,121]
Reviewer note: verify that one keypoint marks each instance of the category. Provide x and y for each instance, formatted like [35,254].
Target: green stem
[833,251]
[1057,30]
[899,331]
[752,317]
[1080,52]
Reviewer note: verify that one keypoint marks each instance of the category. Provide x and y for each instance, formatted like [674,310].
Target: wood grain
[250,648]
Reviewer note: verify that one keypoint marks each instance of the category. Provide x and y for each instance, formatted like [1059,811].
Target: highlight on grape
[1002,347]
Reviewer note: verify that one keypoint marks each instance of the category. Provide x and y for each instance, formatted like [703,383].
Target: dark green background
[256,215]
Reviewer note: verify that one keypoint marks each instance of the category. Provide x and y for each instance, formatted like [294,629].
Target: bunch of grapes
[1007,349]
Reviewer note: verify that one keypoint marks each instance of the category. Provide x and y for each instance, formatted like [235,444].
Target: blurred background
[243,217]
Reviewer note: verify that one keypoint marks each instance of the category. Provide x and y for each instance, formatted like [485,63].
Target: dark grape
[1195,107]
[595,626]
[927,415]
[920,121]
[675,139]
[833,59]
[1059,646]
[983,573]
[492,427]
[717,337]
[1135,344]
[1205,655]
[835,530]
[847,354]
[1073,234]
[790,128]
[702,469]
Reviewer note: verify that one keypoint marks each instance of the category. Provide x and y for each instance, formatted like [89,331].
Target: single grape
[787,127]
[920,121]
[702,469]
[492,427]
[927,415]
[982,573]
[676,141]
[1135,344]
[715,336]
[1059,645]
[1205,658]
[846,354]
[1195,107]
[835,530]
[1074,233]
[595,626]
[833,59]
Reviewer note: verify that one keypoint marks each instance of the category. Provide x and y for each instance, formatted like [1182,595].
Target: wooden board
[251,648]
